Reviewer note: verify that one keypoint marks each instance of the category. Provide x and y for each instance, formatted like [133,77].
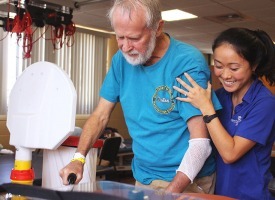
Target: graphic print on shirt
[163,101]
[236,122]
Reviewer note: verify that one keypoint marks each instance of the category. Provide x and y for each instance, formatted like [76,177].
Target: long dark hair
[254,46]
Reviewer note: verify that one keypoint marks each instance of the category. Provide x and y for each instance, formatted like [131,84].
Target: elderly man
[170,140]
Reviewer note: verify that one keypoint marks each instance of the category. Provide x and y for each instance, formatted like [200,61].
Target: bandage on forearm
[198,151]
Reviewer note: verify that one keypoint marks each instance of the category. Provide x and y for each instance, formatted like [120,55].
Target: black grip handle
[71,178]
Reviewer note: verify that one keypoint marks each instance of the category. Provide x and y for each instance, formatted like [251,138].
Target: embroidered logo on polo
[237,121]
[163,101]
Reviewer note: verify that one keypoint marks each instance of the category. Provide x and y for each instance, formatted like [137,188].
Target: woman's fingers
[180,90]
[189,78]
[183,99]
[191,90]
[185,85]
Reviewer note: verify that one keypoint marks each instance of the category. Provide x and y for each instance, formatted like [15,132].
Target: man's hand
[75,167]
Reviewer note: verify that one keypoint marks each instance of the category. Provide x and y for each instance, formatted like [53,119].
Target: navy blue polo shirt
[253,119]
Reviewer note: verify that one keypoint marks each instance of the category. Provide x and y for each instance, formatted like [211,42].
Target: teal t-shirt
[155,120]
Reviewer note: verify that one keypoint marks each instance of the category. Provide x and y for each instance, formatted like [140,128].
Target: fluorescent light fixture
[176,14]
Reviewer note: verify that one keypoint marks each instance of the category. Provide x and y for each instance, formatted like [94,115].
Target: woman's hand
[195,94]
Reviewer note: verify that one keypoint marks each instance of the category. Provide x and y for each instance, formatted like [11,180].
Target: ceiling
[213,17]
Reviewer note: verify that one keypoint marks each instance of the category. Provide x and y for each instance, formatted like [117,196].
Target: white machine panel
[42,107]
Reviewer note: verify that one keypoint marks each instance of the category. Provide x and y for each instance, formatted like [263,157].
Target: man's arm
[198,131]
[91,132]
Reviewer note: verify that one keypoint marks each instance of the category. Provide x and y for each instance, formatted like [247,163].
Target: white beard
[142,58]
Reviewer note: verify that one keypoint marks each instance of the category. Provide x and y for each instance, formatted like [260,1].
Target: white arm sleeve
[198,151]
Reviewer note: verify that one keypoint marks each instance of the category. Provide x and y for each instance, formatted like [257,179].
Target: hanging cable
[41,35]
[17,24]
[27,45]
[69,34]
[27,39]
[57,37]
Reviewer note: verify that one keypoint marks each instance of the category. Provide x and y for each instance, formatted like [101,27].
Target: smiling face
[233,71]
[135,40]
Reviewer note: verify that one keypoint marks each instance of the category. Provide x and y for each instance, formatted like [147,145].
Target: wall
[116,121]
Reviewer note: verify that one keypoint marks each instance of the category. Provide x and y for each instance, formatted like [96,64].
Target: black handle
[71,178]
